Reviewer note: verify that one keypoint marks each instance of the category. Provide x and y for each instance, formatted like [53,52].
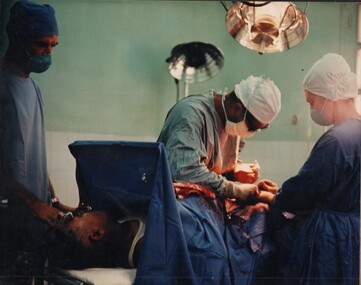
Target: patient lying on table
[87,238]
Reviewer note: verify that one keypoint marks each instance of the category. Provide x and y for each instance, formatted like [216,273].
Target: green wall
[109,73]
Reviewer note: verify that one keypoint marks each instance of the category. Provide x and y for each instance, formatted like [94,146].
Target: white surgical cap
[260,96]
[331,77]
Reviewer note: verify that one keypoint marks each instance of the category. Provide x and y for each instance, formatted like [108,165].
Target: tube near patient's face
[88,227]
[83,242]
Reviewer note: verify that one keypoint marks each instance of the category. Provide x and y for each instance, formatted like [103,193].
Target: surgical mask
[237,129]
[319,117]
[38,63]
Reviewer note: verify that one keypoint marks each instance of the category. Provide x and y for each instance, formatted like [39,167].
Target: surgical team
[203,135]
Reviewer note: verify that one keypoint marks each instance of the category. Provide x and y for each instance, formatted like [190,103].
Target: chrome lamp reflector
[267,27]
[195,62]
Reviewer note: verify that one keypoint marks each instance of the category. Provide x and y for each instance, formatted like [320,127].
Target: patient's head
[89,239]
[90,228]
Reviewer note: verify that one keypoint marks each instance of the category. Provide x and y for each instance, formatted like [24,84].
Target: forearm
[10,185]
[38,208]
[200,175]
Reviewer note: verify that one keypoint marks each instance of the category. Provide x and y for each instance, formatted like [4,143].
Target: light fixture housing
[195,62]
[267,27]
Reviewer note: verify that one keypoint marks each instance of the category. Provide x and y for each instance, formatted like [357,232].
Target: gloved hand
[242,192]
[266,197]
[267,189]
[247,172]
[267,185]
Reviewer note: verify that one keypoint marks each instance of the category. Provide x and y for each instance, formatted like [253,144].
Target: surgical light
[267,27]
[194,62]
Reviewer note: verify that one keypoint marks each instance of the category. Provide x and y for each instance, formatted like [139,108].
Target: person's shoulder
[195,101]
[344,133]
[6,81]
[195,98]
[346,128]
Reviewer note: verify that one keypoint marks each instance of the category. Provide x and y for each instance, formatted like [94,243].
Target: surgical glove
[242,192]
[267,185]
[247,172]
[266,197]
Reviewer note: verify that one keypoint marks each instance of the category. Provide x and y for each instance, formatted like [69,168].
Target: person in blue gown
[25,186]
[327,188]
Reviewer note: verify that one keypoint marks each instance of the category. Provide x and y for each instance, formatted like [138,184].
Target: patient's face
[83,242]
[88,227]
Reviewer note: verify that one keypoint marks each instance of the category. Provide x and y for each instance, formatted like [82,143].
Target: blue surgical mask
[319,117]
[38,63]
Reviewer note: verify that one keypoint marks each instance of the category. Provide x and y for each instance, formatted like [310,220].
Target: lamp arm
[177,87]
[224,5]
[284,15]
[306,7]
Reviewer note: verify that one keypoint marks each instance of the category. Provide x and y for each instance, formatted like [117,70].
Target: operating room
[110,81]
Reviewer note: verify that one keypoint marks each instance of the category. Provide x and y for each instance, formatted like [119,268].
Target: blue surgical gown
[198,148]
[328,188]
[186,241]
[22,133]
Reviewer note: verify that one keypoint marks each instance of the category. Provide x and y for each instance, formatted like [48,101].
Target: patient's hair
[64,250]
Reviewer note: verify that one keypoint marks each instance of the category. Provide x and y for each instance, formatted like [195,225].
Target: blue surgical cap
[30,19]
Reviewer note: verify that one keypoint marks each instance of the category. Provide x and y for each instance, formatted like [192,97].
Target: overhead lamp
[267,27]
[194,62]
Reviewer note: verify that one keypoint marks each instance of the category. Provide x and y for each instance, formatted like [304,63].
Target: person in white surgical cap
[327,188]
[202,134]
